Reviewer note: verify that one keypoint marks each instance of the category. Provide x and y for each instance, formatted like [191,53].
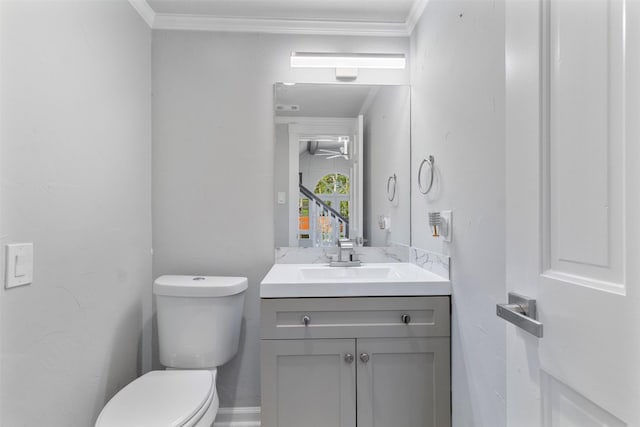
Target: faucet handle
[347,256]
[345,243]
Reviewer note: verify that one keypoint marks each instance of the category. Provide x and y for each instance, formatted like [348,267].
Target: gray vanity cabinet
[356,362]
[404,383]
[308,383]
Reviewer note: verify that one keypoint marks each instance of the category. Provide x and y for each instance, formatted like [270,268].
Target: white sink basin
[371,279]
[333,273]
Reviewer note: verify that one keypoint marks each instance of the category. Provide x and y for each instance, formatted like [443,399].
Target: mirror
[342,164]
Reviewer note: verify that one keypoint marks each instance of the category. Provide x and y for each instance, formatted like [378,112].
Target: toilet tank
[199,319]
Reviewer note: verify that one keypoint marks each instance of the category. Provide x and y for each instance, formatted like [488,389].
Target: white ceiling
[337,17]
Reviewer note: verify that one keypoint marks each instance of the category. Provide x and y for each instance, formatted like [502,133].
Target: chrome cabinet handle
[406,319]
[521,311]
[306,320]
[348,358]
[364,357]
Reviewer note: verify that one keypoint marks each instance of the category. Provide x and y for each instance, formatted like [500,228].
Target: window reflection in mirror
[336,147]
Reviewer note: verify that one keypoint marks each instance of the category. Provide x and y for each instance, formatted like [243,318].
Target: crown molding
[316,121]
[414,15]
[278,26]
[144,10]
[166,21]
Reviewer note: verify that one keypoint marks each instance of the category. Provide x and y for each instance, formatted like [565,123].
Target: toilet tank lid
[199,286]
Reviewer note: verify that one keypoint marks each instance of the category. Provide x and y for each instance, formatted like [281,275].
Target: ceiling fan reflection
[332,148]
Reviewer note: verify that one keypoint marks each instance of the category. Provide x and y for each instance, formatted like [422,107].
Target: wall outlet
[384,222]
[446,230]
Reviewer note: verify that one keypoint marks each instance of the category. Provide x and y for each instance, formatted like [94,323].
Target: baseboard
[238,417]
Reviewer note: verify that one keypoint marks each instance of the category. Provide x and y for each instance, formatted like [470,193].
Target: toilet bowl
[199,322]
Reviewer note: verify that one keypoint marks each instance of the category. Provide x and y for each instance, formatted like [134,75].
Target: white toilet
[198,330]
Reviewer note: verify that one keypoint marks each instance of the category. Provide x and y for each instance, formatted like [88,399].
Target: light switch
[21,266]
[282,197]
[18,264]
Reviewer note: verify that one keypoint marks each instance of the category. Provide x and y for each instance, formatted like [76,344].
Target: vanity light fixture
[347,64]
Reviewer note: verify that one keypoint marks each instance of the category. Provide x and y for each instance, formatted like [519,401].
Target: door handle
[521,311]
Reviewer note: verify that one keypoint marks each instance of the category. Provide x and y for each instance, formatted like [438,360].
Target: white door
[573,210]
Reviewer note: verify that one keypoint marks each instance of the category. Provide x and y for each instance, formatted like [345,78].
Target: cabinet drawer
[283,318]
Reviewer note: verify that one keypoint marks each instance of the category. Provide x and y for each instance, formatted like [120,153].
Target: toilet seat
[173,398]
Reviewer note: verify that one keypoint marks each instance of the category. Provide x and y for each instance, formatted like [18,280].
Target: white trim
[318,121]
[587,282]
[238,417]
[145,11]
[414,15]
[173,21]
[164,21]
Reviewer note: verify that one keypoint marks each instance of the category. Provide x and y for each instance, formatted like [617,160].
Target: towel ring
[392,182]
[427,161]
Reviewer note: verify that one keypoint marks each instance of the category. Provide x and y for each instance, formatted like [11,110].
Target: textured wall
[457,75]
[281,178]
[387,151]
[213,161]
[75,179]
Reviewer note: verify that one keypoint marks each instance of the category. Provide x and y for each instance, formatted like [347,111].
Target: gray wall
[458,116]
[281,177]
[387,150]
[213,161]
[75,179]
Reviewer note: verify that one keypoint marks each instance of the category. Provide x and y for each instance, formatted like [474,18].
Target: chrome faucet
[346,254]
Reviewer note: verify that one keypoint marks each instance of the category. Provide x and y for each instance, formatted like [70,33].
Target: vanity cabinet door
[404,382]
[310,383]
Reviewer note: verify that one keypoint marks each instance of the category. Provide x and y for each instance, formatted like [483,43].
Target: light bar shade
[347,60]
